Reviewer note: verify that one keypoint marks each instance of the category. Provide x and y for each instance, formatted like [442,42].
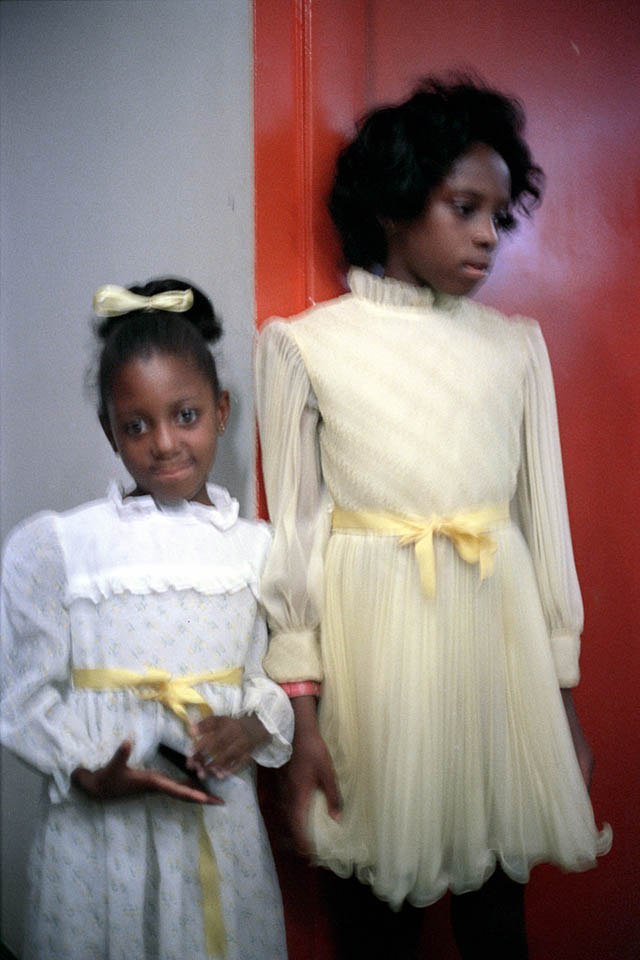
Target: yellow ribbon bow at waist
[466,530]
[173,692]
[176,693]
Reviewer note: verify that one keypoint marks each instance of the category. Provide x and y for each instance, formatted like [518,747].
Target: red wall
[576,66]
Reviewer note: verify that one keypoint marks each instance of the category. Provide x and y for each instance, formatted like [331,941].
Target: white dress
[442,713]
[126,584]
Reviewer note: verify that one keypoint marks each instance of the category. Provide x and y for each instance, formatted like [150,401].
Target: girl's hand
[117,780]
[580,743]
[309,769]
[223,745]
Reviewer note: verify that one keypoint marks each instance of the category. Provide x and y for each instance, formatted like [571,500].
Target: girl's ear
[106,426]
[223,408]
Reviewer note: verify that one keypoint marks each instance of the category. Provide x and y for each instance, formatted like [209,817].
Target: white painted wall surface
[126,153]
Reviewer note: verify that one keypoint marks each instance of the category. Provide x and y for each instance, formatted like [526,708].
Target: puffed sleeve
[36,720]
[292,584]
[542,507]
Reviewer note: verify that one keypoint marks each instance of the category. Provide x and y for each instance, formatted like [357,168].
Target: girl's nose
[486,234]
[164,442]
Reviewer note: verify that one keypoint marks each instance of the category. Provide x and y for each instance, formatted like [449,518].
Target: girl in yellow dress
[422,569]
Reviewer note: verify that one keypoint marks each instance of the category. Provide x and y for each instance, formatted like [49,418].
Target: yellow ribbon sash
[176,693]
[467,531]
[215,937]
[173,692]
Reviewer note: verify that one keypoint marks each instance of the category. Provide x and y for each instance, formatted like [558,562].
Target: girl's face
[450,247]
[164,423]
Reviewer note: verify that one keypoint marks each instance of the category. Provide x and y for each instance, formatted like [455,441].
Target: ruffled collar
[388,292]
[223,514]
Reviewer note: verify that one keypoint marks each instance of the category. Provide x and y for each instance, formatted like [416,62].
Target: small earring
[222,428]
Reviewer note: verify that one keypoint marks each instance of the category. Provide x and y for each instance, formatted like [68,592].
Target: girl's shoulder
[29,536]
[37,541]
[317,313]
[524,332]
[491,315]
[85,523]
[282,351]
[45,525]
[512,330]
[256,536]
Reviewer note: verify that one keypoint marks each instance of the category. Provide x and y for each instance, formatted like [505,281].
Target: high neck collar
[388,292]
[222,514]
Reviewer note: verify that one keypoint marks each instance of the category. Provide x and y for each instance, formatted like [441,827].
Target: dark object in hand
[179,761]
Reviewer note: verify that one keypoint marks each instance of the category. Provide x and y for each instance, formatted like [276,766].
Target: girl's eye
[188,415]
[503,220]
[135,427]
[463,208]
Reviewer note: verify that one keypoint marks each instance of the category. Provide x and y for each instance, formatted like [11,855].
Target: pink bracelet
[302,688]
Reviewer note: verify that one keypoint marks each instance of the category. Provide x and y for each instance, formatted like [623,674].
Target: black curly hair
[141,333]
[402,152]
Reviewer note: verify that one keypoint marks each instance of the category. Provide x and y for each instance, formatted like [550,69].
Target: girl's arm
[292,585]
[265,700]
[37,721]
[542,507]
[310,769]
[298,505]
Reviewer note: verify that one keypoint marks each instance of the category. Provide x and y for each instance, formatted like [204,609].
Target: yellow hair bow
[112,301]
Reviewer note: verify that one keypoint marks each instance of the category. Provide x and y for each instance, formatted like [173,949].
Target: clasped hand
[221,745]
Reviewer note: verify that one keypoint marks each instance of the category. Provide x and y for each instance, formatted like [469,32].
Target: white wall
[126,153]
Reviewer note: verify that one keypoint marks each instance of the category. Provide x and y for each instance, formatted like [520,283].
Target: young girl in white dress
[132,642]
[422,569]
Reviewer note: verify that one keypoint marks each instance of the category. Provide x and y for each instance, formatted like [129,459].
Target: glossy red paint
[576,268]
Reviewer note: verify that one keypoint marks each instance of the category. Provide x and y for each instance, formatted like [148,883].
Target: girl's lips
[476,270]
[164,473]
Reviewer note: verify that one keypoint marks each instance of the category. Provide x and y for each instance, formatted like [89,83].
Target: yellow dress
[442,713]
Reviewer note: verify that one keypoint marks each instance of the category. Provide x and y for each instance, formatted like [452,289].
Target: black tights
[488,924]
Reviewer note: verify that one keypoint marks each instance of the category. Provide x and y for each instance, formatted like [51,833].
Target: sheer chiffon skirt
[445,724]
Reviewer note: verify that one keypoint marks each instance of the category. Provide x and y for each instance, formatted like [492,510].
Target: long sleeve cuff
[267,701]
[294,656]
[565,649]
